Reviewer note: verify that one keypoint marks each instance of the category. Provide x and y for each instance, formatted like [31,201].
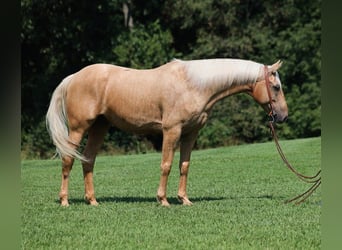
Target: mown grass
[238,194]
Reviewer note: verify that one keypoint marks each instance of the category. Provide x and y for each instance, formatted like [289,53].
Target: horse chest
[195,122]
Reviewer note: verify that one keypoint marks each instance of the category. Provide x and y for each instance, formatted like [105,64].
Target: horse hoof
[163,202]
[92,202]
[185,201]
[188,203]
[64,203]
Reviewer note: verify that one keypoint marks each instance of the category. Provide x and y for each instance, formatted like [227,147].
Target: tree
[144,47]
[60,37]
[261,31]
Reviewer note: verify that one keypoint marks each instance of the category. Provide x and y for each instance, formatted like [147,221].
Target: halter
[316,179]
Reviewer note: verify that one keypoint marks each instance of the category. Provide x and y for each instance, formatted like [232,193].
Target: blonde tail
[56,122]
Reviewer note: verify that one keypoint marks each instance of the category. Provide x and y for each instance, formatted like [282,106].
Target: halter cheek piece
[272,115]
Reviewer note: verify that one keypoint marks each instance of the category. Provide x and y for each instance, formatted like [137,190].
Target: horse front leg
[170,140]
[186,146]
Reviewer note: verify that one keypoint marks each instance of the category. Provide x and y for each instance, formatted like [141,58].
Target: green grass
[238,194]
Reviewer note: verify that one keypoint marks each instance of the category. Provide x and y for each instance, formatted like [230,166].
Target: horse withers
[172,101]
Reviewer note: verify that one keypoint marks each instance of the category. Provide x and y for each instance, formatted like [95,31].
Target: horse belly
[134,122]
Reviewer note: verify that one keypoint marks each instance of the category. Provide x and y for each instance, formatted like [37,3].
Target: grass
[238,194]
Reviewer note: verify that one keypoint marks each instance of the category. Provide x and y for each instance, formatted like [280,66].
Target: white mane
[221,72]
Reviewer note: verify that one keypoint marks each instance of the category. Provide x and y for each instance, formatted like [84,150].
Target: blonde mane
[221,72]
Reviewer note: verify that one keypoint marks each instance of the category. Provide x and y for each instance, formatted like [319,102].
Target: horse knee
[67,166]
[184,168]
[68,160]
[165,168]
[88,166]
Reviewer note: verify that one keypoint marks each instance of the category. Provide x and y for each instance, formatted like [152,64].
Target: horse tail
[57,122]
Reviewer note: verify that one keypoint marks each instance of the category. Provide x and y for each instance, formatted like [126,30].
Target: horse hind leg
[67,163]
[96,136]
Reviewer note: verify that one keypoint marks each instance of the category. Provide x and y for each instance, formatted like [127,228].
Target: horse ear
[275,66]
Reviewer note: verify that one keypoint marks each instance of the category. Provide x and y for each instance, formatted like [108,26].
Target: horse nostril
[285,119]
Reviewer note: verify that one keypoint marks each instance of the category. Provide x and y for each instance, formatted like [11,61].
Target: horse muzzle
[274,117]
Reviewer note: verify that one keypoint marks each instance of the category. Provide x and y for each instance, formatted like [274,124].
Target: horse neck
[219,78]
[215,95]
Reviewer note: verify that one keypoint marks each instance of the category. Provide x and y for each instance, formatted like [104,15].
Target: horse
[172,101]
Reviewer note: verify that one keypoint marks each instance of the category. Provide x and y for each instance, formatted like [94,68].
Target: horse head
[269,94]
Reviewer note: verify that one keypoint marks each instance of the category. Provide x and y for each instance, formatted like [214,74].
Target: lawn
[238,194]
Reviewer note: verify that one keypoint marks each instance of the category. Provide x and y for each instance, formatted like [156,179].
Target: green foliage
[36,143]
[119,142]
[306,112]
[238,194]
[144,47]
[60,37]
[235,120]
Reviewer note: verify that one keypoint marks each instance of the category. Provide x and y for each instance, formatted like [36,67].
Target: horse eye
[276,87]
[273,73]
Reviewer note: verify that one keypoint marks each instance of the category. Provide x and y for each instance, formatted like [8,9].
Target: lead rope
[316,179]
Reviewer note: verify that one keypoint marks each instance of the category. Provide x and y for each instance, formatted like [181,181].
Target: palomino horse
[172,101]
